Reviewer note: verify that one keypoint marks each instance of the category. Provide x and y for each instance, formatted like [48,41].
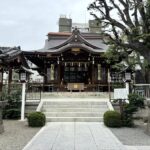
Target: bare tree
[126,23]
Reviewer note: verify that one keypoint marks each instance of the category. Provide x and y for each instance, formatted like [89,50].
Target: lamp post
[127,78]
[109,81]
[23,78]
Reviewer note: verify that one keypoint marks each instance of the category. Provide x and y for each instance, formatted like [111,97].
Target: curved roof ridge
[81,45]
[76,37]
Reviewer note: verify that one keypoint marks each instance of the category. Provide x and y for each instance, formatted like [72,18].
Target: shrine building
[72,60]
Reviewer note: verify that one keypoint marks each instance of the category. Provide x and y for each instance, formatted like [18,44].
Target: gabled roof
[76,39]
[61,41]
[9,54]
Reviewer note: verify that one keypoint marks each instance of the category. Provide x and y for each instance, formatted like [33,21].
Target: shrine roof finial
[76,30]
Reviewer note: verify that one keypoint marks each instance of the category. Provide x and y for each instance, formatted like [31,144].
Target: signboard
[75,49]
[121,93]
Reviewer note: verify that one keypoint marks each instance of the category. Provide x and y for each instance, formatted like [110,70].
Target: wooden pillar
[1,80]
[59,73]
[45,72]
[92,74]
[9,80]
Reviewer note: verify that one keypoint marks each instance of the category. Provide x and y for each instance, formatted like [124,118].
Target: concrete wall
[94,26]
[65,25]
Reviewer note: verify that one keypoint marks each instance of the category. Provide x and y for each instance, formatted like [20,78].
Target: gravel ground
[16,135]
[132,136]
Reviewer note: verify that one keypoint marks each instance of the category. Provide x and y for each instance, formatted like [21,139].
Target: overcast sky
[26,22]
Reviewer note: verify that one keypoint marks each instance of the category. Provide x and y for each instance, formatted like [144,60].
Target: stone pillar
[1,120]
[147,131]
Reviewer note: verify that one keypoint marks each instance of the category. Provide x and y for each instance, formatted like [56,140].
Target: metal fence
[11,89]
[143,90]
[33,91]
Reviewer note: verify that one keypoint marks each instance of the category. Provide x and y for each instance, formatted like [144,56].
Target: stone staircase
[74,111]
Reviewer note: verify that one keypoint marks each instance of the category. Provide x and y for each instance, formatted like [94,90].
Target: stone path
[75,136]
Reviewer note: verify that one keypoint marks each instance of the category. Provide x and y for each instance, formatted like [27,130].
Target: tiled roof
[58,40]
[60,33]
[7,53]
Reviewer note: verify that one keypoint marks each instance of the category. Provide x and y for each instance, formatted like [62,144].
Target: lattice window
[115,77]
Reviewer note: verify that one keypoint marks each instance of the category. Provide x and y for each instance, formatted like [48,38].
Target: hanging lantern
[58,60]
[23,76]
[79,64]
[93,61]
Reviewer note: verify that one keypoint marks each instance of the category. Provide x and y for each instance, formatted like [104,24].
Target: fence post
[23,102]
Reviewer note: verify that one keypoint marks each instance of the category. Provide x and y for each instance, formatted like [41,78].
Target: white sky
[26,22]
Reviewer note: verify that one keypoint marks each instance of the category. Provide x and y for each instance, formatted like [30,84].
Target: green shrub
[13,106]
[11,113]
[135,102]
[36,119]
[112,119]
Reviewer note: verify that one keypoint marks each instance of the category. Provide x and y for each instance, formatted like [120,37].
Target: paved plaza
[75,136]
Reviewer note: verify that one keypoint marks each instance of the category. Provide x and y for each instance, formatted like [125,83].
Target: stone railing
[75,94]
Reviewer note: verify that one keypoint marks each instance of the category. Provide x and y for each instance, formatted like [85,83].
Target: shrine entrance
[76,73]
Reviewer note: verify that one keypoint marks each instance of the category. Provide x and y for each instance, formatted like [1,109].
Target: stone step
[74,114]
[74,119]
[31,107]
[66,109]
[74,102]
[29,111]
[74,106]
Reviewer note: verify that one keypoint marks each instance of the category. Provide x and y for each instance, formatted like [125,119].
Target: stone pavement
[75,136]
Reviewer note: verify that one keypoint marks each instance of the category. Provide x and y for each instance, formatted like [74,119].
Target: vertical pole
[127,87]
[109,91]
[23,102]
[109,80]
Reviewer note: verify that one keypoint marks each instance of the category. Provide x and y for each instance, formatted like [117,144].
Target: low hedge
[36,119]
[11,113]
[112,119]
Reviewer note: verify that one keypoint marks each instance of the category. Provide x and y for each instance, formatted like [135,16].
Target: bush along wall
[12,109]
[125,117]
